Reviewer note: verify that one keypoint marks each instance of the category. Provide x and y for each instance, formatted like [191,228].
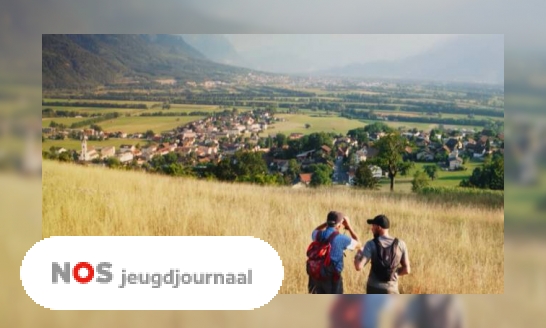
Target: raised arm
[322,226]
[348,226]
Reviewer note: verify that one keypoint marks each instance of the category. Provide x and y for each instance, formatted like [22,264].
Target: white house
[108,152]
[455,163]
[234,132]
[427,156]
[479,152]
[188,135]
[361,156]
[240,128]
[255,128]
[376,171]
[149,150]
[125,157]
[126,148]
[454,154]
[148,155]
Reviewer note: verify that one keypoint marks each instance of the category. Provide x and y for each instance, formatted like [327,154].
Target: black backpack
[385,261]
[444,315]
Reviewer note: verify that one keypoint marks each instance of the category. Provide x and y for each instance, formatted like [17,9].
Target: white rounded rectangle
[152,273]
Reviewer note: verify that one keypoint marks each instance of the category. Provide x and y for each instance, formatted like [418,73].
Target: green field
[175,108]
[72,144]
[407,125]
[136,124]
[444,115]
[61,120]
[420,126]
[181,108]
[445,178]
[295,123]
[133,124]
[150,104]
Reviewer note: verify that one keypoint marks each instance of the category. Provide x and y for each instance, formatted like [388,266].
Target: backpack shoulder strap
[332,236]
[318,235]
[377,243]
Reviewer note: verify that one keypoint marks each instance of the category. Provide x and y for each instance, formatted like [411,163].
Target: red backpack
[347,312]
[318,257]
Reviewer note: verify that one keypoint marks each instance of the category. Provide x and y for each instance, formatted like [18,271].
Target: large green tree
[378,127]
[281,140]
[420,181]
[431,171]
[390,158]
[359,134]
[490,176]
[242,166]
[364,177]
[322,175]
[316,140]
[294,169]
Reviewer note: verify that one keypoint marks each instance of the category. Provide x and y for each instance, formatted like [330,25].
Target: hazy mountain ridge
[72,61]
[215,47]
[464,59]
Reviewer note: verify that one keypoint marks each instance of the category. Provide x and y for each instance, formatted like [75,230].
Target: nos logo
[78,272]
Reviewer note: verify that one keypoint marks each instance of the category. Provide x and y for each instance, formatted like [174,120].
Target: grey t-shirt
[370,248]
[443,311]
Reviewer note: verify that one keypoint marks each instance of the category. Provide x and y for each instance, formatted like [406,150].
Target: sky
[294,53]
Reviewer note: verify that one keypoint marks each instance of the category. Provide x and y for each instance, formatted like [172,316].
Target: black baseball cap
[380,220]
[334,218]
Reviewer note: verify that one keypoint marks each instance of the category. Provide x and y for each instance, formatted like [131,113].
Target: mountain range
[465,58]
[216,47]
[84,60]
[462,59]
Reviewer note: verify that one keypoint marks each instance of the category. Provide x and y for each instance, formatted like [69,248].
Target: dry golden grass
[453,249]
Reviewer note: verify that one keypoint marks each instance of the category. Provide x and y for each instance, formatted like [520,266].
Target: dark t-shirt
[370,248]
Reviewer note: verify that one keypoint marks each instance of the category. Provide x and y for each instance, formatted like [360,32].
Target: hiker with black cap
[325,254]
[389,257]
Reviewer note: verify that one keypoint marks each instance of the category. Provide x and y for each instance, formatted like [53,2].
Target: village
[209,140]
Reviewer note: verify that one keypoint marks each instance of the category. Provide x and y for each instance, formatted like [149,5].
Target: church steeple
[83,156]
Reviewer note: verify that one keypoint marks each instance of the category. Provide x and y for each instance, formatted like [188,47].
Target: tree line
[167,113]
[354,114]
[51,113]
[93,104]
[92,121]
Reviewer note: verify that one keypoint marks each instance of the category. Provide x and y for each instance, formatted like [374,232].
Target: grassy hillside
[453,248]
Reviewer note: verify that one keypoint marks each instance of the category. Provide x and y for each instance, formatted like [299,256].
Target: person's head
[379,225]
[335,220]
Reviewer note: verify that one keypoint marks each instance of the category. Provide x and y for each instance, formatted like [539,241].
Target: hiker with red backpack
[359,311]
[325,254]
[389,257]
